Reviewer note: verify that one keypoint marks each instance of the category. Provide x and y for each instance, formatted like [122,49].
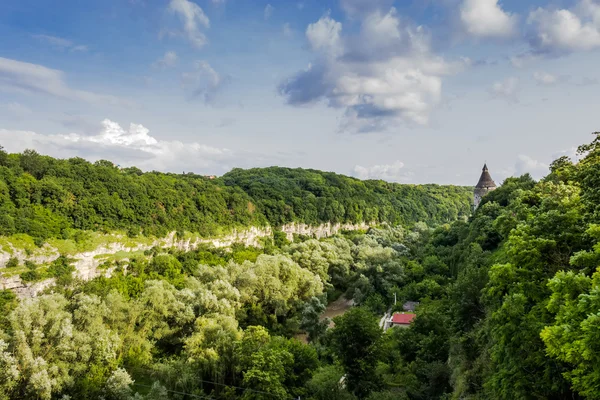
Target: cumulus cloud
[535,168]
[565,30]
[325,35]
[394,172]
[193,19]
[23,77]
[506,89]
[487,19]
[60,43]
[381,76]
[287,30]
[203,81]
[128,147]
[168,60]
[545,78]
[269,10]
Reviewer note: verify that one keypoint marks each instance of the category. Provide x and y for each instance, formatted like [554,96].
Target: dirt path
[337,308]
[334,309]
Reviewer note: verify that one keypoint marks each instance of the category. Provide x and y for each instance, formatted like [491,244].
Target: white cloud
[193,19]
[61,43]
[507,89]
[203,81]
[131,147]
[269,10]
[287,30]
[564,30]
[168,60]
[535,168]
[545,78]
[23,77]
[486,19]
[383,75]
[388,172]
[324,35]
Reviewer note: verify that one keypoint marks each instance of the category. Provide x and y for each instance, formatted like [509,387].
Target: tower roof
[485,181]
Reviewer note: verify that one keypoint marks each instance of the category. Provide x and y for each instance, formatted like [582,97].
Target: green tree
[356,340]
[574,336]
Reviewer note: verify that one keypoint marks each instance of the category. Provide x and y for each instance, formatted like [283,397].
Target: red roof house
[402,319]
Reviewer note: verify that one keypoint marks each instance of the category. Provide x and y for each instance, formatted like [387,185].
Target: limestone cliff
[87,263]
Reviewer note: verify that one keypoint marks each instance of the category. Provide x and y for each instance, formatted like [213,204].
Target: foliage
[48,198]
[507,300]
[356,339]
[284,195]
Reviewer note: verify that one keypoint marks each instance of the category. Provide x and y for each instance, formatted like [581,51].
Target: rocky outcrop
[321,231]
[22,289]
[87,263]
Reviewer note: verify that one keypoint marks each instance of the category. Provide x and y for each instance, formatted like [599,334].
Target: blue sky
[408,91]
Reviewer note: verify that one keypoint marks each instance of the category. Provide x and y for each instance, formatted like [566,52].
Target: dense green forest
[509,301]
[46,198]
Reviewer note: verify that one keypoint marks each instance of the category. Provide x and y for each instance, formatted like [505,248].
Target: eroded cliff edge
[87,263]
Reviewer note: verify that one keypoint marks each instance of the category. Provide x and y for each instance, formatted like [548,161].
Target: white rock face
[321,231]
[23,289]
[86,263]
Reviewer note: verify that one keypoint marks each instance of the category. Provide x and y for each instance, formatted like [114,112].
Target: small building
[485,185]
[402,320]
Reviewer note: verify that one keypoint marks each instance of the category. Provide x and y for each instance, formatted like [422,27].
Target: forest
[45,197]
[509,294]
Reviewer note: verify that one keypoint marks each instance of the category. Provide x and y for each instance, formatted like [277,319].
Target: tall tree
[356,338]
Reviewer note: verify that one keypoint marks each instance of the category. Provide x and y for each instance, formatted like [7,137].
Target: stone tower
[486,184]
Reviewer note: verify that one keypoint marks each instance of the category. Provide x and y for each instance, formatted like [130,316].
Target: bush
[12,262]
[31,276]
[30,265]
[62,270]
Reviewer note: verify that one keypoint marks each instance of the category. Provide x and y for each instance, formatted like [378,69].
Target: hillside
[47,198]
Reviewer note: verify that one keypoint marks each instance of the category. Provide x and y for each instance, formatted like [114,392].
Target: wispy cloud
[23,77]
[193,18]
[394,172]
[535,168]
[269,10]
[168,60]
[506,89]
[61,43]
[16,109]
[545,78]
[203,81]
[287,30]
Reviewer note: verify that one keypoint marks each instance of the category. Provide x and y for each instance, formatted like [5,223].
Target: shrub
[12,262]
